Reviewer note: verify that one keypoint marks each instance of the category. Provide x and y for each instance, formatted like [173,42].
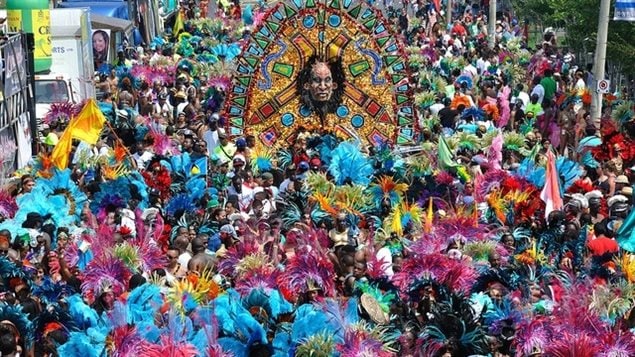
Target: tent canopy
[110,23]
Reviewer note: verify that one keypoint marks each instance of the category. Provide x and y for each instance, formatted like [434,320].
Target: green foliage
[579,18]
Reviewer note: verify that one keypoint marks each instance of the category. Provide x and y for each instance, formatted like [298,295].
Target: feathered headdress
[584,149]
[154,73]
[255,271]
[56,208]
[143,303]
[623,114]
[457,275]
[404,215]
[13,315]
[261,160]
[465,80]
[386,189]
[226,52]
[302,269]
[126,77]
[61,184]
[105,273]
[241,329]
[59,112]
[189,293]
[454,326]
[50,292]
[266,306]
[180,205]
[332,317]
[474,113]
[361,341]
[118,192]
[8,206]
[53,318]
[349,165]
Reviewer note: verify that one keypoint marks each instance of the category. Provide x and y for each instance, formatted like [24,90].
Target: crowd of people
[505,231]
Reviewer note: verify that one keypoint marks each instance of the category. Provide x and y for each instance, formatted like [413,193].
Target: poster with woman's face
[101,45]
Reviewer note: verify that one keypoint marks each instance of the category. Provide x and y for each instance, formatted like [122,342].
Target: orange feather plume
[120,152]
[324,203]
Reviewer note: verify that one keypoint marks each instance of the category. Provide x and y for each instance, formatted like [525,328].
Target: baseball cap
[315,163]
[266,176]
[303,166]
[213,203]
[239,158]
[51,139]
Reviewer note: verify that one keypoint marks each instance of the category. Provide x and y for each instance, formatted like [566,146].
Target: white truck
[71,76]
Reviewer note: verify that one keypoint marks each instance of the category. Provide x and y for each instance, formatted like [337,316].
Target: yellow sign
[14,20]
[41,20]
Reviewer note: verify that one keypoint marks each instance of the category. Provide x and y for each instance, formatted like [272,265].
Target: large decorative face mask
[321,84]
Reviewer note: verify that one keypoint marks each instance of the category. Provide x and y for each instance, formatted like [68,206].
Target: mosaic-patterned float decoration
[374,101]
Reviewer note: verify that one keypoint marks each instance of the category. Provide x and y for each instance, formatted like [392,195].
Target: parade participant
[407,214]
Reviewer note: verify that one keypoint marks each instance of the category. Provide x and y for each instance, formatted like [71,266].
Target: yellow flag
[88,123]
[178,24]
[59,156]
[86,126]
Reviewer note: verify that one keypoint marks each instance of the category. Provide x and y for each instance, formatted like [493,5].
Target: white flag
[624,10]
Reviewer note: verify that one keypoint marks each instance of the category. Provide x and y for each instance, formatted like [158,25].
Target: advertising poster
[42,33]
[24,139]
[101,47]
[15,67]
[7,153]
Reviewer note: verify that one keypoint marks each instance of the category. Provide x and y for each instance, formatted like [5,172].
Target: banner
[624,10]
[101,47]
[8,148]
[24,139]
[15,66]
[42,33]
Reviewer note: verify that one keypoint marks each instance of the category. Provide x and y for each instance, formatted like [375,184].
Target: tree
[579,19]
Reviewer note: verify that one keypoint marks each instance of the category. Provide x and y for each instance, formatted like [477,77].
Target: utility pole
[599,63]
[491,24]
[448,15]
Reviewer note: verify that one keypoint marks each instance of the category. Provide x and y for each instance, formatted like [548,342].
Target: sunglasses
[4,251]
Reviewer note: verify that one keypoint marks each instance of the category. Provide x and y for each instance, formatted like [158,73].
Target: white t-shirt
[284,185]
[471,70]
[211,140]
[161,109]
[385,257]
[435,108]
[523,97]
[244,198]
[184,260]
[180,107]
[143,159]
[580,86]
[482,65]
[540,91]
